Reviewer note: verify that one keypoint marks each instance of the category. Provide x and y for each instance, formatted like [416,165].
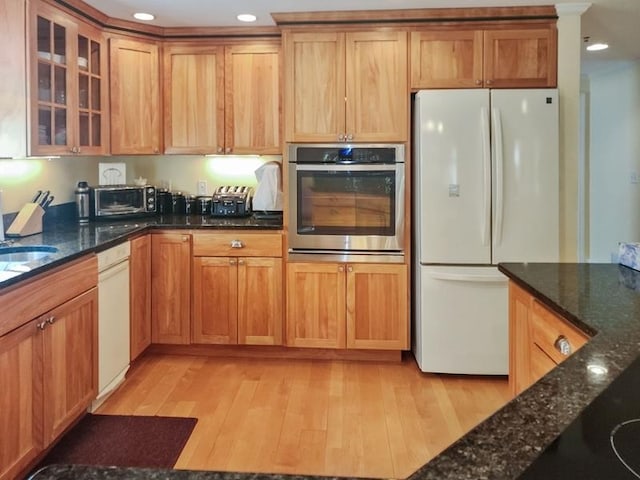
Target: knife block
[27,222]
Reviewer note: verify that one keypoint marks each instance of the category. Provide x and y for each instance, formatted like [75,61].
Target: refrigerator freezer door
[453,191]
[462,320]
[525,175]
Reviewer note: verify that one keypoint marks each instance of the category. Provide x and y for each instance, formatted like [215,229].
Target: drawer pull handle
[563,345]
[236,244]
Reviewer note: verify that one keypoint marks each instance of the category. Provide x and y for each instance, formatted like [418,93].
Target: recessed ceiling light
[247,17]
[597,46]
[143,16]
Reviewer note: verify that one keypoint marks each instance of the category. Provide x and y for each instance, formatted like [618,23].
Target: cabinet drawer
[239,244]
[548,328]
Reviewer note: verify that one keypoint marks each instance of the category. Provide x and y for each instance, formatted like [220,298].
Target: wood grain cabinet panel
[336,305]
[140,299]
[170,288]
[446,59]
[222,99]
[520,58]
[135,97]
[346,86]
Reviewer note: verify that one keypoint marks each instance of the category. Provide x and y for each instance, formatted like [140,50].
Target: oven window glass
[121,200]
[346,203]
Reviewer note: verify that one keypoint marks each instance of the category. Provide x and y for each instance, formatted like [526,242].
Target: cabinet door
[260,301]
[21,399]
[520,58]
[70,362]
[215,300]
[541,363]
[92,116]
[140,299]
[377,306]
[53,79]
[314,86]
[13,102]
[194,99]
[170,288]
[376,87]
[252,100]
[316,305]
[135,97]
[446,59]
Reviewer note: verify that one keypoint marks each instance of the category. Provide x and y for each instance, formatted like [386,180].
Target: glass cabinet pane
[60,85]
[96,136]
[95,58]
[84,129]
[44,125]
[95,93]
[83,53]
[60,125]
[44,38]
[59,44]
[83,91]
[44,82]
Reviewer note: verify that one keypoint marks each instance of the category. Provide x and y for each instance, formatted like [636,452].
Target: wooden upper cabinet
[252,99]
[520,58]
[13,102]
[135,97]
[446,59]
[194,99]
[346,86]
[68,84]
[222,99]
[500,58]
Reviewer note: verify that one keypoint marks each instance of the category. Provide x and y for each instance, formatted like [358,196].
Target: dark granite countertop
[602,299]
[74,240]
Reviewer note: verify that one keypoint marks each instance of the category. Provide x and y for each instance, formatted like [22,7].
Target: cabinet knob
[220,150]
[349,137]
[156,150]
[563,346]
[185,238]
[240,262]
[341,137]
[489,82]
[41,325]
[236,244]
[341,268]
[349,268]
[51,320]
[227,150]
[478,82]
[232,261]
[72,149]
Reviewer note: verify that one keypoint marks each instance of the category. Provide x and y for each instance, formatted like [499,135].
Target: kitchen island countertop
[601,299]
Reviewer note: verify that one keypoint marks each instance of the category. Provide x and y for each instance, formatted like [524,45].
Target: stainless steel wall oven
[347,199]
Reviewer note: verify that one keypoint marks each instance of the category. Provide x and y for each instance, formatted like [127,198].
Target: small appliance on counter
[109,201]
[230,201]
[267,199]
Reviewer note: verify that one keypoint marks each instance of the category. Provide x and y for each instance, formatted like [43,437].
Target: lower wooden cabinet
[140,298]
[171,288]
[336,305]
[539,339]
[49,372]
[237,288]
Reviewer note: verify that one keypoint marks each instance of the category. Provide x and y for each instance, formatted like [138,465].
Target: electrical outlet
[202,187]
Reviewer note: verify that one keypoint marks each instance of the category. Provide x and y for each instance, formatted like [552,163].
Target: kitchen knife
[43,199]
[46,204]
[35,198]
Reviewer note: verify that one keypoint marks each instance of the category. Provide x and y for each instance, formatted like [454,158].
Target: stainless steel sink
[24,253]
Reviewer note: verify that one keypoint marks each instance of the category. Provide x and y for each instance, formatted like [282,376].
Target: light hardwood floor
[317,417]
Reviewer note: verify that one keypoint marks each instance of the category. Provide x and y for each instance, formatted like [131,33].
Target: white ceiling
[616,22]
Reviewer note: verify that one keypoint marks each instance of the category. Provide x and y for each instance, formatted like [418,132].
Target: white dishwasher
[113,319]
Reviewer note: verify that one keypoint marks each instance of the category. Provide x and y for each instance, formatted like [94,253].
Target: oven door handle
[369,167]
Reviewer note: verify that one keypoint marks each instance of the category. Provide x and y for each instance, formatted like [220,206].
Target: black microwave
[109,201]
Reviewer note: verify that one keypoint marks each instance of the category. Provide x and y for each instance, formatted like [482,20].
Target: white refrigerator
[485,191]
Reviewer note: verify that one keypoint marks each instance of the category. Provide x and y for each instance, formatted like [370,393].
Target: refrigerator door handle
[486,173]
[499,185]
[467,277]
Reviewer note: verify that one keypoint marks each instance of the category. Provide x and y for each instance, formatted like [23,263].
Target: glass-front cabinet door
[67,94]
